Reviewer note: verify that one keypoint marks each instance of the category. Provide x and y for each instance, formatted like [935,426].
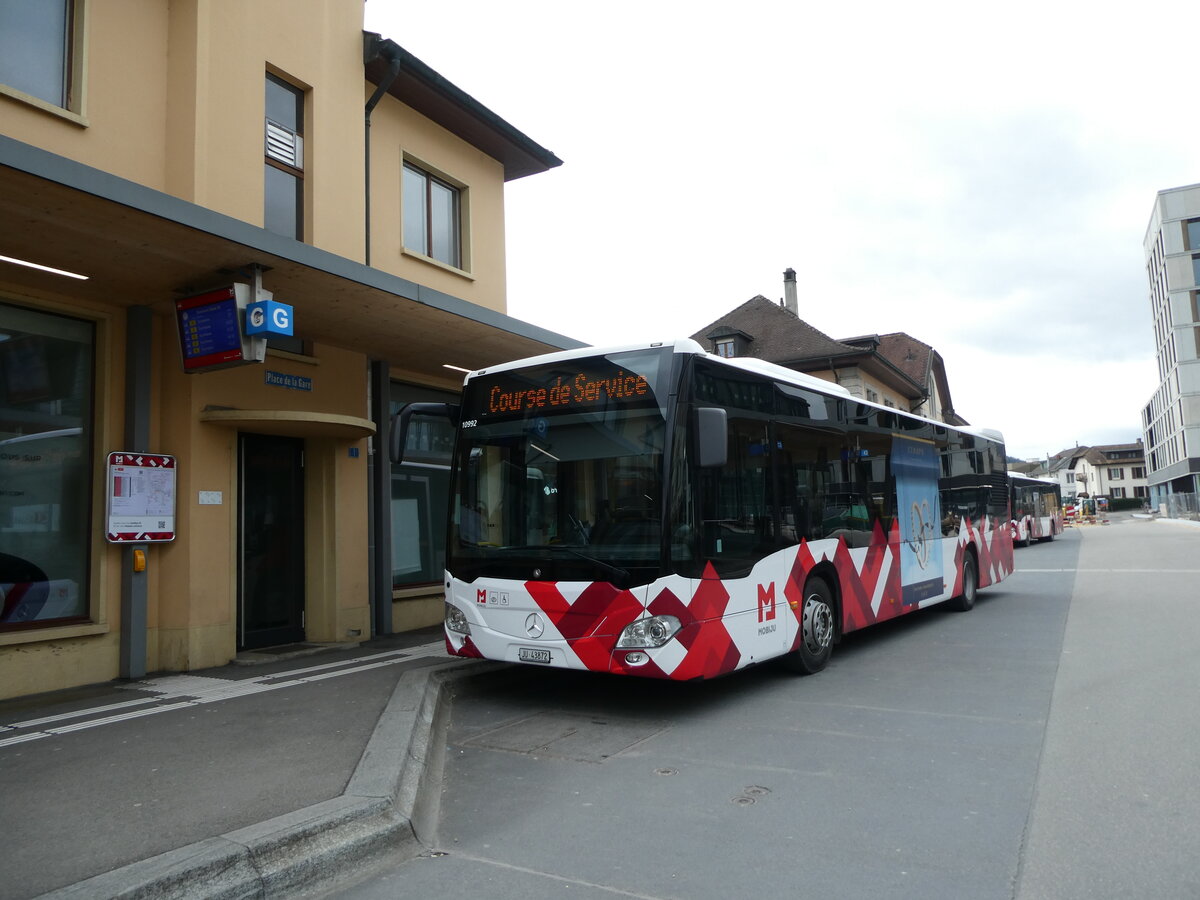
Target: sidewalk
[232,782]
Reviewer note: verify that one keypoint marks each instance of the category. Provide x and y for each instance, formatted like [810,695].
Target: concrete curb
[1187,523]
[384,809]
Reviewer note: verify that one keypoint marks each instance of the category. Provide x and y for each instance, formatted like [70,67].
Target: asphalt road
[1043,745]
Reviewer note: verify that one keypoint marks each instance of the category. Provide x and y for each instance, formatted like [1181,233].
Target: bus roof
[684,345]
[748,364]
[1023,477]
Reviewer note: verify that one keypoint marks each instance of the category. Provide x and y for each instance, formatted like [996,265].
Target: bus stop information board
[209,331]
[141,498]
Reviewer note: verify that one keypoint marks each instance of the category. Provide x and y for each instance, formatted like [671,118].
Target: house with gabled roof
[1116,471]
[895,370]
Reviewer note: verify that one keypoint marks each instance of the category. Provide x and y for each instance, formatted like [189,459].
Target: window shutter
[284,145]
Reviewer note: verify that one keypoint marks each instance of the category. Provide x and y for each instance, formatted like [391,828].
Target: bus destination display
[536,392]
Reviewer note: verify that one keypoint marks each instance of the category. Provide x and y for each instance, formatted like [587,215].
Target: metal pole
[138,339]
[380,470]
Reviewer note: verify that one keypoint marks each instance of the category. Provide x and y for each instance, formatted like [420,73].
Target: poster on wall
[141,498]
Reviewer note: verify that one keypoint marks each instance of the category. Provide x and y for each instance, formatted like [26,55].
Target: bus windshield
[559,471]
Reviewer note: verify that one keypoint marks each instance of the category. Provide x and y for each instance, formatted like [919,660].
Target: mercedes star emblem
[534,627]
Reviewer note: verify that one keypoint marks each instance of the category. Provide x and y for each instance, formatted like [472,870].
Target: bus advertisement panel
[917,470]
[662,512]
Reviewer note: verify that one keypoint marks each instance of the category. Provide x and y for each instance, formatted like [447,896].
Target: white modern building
[1171,420]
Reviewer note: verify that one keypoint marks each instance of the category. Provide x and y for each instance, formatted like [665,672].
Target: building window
[1141,492]
[46,376]
[421,492]
[1137,472]
[37,49]
[432,214]
[1118,493]
[1116,474]
[872,396]
[283,171]
[1193,234]
[725,348]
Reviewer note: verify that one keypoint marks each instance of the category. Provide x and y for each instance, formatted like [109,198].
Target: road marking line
[197,690]
[1119,571]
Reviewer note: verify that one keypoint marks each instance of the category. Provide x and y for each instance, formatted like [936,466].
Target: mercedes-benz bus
[1037,513]
[656,510]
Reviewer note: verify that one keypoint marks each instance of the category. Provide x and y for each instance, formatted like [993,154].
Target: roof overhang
[141,247]
[421,88]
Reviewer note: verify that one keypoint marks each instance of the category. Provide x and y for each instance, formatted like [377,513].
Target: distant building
[895,370]
[1061,467]
[1171,420]
[1115,471]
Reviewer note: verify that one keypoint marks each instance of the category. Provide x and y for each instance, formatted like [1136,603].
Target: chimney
[789,292]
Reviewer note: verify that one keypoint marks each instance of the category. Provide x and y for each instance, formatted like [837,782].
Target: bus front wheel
[970,583]
[816,630]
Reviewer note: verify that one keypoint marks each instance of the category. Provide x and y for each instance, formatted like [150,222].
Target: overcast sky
[980,177]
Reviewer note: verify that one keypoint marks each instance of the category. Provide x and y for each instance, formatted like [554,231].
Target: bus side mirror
[400,420]
[712,432]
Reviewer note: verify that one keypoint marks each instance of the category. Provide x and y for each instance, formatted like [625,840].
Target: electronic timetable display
[210,329]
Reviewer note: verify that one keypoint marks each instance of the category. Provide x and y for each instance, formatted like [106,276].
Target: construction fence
[1182,506]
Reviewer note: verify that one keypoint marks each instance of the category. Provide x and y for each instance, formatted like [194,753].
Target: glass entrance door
[270,541]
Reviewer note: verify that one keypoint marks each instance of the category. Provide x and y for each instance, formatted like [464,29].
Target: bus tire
[970,583]
[817,630]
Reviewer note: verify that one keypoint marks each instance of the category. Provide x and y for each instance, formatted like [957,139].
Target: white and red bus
[1036,504]
[660,511]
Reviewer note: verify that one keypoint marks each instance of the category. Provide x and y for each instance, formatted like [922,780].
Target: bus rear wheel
[816,630]
[970,583]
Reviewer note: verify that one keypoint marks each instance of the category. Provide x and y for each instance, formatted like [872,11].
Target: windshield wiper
[608,567]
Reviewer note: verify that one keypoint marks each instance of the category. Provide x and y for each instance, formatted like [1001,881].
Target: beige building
[155,151]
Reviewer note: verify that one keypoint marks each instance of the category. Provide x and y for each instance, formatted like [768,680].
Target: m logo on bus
[766,602]
[480,596]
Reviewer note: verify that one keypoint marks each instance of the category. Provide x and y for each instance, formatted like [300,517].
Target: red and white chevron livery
[727,624]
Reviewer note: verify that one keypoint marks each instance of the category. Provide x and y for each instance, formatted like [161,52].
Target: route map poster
[141,498]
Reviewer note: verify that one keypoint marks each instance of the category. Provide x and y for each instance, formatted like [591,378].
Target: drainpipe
[832,369]
[373,52]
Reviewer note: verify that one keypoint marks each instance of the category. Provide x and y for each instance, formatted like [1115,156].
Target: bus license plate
[528,654]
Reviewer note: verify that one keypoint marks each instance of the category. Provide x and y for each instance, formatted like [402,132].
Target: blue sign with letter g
[268,317]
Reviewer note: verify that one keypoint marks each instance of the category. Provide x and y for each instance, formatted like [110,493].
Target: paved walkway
[226,782]
[1117,807]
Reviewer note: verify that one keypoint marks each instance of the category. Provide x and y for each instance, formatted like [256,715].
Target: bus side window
[737,501]
[802,458]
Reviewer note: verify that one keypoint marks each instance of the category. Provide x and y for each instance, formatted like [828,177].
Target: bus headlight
[653,631]
[456,621]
